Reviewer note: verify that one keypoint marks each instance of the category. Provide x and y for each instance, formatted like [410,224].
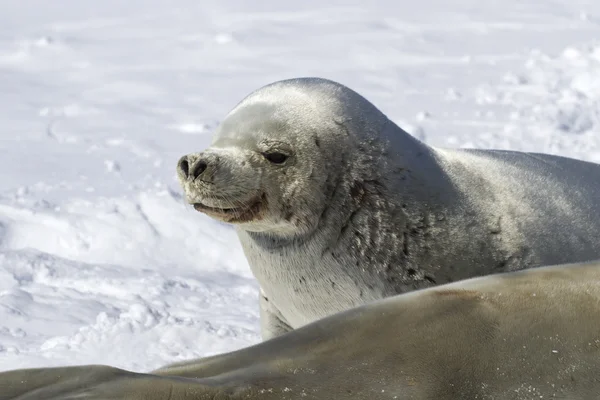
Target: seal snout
[191,168]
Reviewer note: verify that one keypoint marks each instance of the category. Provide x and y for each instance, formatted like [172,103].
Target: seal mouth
[234,215]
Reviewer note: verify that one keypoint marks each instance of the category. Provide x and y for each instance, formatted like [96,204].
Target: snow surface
[100,259]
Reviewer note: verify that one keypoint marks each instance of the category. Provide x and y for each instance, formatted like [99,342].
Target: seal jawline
[234,215]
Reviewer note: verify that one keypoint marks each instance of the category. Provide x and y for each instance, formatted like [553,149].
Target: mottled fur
[362,210]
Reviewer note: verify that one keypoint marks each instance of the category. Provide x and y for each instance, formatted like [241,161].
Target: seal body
[522,335]
[336,206]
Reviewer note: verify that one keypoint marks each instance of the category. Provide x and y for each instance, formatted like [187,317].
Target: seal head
[281,154]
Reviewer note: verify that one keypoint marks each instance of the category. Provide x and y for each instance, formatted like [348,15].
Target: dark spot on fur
[501,265]
[348,223]
[343,230]
[317,142]
[302,279]
[374,186]
[357,190]
[243,163]
[332,284]
[333,184]
[430,279]
[405,244]
[288,216]
[411,272]
[494,230]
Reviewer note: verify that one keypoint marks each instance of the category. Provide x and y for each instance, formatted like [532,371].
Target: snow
[100,259]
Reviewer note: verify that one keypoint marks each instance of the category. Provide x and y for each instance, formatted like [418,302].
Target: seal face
[264,171]
[336,206]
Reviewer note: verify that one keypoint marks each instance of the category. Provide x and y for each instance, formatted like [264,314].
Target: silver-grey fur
[361,210]
[516,336]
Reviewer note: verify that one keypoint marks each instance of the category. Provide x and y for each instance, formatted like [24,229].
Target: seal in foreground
[523,335]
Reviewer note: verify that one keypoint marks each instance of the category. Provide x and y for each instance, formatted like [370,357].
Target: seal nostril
[199,168]
[184,166]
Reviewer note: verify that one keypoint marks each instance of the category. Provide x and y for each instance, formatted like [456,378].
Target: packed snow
[101,260]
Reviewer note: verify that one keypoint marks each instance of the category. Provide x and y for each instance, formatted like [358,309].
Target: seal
[336,206]
[522,335]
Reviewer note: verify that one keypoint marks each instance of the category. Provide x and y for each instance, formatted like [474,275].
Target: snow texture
[100,259]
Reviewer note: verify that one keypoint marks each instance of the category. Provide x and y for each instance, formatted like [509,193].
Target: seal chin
[238,215]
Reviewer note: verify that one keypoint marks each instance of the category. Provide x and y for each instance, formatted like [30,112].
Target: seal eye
[275,158]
